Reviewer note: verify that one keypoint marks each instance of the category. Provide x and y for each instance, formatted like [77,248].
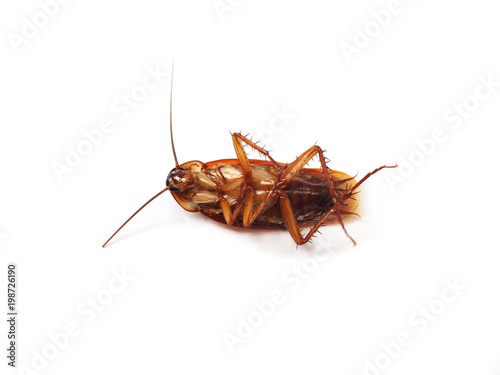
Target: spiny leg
[368,175]
[340,182]
[308,155]
[290,220]
[242,156]
[351,191]
[247,200]
[336,203]
[286,176]
[292,169]
[249,215]
[293,226]
[286,208]
[246,203]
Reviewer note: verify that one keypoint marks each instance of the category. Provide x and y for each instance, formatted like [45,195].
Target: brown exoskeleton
[263,193]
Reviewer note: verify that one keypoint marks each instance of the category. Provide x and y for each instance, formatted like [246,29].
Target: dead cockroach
[263,193]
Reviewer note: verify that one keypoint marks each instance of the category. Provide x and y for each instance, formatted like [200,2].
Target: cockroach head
[179,179]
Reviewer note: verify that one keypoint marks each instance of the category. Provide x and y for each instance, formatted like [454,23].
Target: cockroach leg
[242,156]
[281,180]
[286,207]
[236,184]
[290,220]
[293,227]
[336,204]
[292,169]
[349,213]
[340,182]
[248,207]
[371,174]
[212,177]
[249,215]
[226,211]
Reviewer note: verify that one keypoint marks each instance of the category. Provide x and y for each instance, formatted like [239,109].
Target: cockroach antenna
[171,133]
[175,157]
[135,213]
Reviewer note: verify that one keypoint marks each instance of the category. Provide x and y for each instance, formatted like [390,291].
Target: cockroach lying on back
[257,194]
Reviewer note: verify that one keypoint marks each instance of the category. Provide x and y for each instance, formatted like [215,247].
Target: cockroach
[257,194]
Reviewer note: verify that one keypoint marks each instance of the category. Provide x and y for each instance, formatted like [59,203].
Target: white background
[194,280]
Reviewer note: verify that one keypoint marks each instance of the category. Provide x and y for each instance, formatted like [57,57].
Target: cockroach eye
[168,179]
[171,176]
